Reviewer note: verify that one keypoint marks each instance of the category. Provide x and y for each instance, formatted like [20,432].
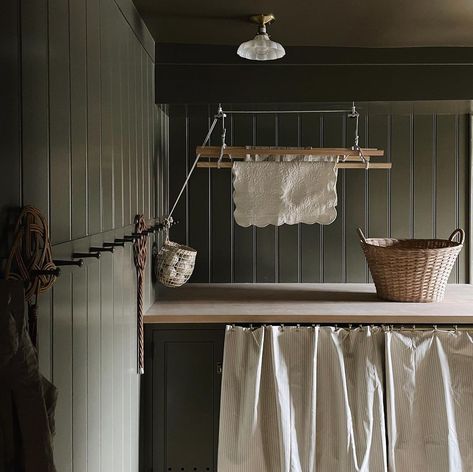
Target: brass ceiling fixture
[261,48]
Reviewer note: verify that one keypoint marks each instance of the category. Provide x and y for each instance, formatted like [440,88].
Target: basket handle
[460,232]
[361,234]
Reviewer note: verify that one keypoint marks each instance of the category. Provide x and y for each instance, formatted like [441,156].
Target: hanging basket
[174,263]
[411,270]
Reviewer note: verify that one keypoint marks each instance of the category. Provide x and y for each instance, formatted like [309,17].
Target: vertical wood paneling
[106,367]
[127,358]
[133,125]
[447,155]
[333,234]
[424,146]
[139,125]
[117,151]
[463,188]
[125,126]
[199,196]
[62,371]
[154,174]
[221,217]
[378,182]
[106,60]
[426,189]
[94,200]
[356,184]
[71,72]
[288,237]
[79,370]
[94,400]
[178,137]
[266,242]
[146,133]
[10,120]
[59,121]
[78,64]
[401,194]
[35,132]
[310,253]
[118,347]
[243,245]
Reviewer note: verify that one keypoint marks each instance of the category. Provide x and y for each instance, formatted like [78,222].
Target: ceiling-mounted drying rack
[354,157]
[350,158]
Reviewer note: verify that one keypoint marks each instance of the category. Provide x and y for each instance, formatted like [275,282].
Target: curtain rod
[350,326]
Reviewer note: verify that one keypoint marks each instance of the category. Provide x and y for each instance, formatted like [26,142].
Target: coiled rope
[31,252]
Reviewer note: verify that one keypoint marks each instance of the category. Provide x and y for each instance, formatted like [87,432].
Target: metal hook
[60,262]
[114,243]
[101,249]
[77,255]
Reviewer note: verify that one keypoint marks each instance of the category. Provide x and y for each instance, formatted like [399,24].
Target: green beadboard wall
[82,140]
[425,195]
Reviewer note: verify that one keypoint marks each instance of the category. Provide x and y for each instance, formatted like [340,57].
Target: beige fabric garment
[302,400]
[277,193]
[430,400]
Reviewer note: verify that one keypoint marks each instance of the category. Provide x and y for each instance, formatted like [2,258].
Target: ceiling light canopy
[261,48]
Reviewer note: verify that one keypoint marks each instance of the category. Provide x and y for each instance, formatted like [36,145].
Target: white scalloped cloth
[285,192]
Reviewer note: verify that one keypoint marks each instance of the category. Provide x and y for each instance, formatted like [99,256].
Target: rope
[140,252]
[31,251]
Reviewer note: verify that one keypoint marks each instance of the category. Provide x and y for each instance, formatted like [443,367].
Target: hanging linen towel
[286,192]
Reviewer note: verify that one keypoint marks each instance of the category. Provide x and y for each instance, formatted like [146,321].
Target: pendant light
[261,48]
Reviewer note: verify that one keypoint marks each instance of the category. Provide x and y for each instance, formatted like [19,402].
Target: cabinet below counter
[303,303]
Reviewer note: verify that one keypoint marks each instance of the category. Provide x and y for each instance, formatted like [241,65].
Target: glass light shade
[261,48]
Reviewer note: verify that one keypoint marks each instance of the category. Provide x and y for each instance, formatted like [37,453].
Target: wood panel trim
[138,26]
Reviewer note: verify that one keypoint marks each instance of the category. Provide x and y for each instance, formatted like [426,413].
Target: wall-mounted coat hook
[101,249]
[114,243]
[56,271]
[78,263]
[132,237]
[122,241]
[77,255]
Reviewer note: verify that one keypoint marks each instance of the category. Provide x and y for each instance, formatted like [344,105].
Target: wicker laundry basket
[411,270]
[174,263]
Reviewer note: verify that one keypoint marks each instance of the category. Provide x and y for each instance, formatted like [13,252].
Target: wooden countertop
[304,303]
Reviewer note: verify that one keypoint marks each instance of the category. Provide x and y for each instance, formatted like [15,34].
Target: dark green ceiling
[342,23]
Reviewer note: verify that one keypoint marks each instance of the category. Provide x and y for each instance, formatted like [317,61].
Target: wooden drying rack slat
[340,165]
[242,151]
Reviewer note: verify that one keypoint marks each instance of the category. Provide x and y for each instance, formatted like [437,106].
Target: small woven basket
[411,270]
[174,263]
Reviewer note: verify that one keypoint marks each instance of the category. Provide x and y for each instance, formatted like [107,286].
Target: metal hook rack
[77,258]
